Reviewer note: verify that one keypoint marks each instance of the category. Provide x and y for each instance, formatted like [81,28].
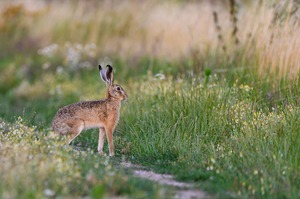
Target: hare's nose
[125,96]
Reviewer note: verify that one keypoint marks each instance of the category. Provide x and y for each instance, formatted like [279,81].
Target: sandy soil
[183,190]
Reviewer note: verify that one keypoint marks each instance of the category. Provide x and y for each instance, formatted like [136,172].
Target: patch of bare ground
[183,190]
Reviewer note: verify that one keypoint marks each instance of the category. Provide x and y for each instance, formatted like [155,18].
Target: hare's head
[113,90]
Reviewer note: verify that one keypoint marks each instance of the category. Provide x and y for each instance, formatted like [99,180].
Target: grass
[186,32]
[219,113]
[38,164]
[216,134]
[224,136]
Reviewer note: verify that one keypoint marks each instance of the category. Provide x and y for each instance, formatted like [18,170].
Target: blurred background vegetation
[41,40]
[222,70]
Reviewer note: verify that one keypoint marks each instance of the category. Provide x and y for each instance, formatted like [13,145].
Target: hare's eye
[118,88]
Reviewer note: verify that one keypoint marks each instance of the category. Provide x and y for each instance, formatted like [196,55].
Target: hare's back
[80,110]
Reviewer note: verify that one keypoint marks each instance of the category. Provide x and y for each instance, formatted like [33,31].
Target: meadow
[213,92]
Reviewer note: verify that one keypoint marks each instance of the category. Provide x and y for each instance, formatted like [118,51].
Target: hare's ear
[109,74]
[102,73]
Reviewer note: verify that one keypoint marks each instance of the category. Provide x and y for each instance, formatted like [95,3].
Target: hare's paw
[111,155]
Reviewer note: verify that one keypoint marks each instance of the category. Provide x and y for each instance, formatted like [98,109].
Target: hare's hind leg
[76,125]
[101,140]
[109,135]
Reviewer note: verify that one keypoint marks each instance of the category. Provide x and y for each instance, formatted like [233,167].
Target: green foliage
[223,137]
[38,164]
[221,115]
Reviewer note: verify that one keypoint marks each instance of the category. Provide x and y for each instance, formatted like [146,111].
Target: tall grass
[232,130]
[268,40]
[221,137]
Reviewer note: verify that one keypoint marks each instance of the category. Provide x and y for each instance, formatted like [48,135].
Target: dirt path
[183,190]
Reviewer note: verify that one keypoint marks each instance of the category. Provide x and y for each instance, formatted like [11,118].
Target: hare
[103,114]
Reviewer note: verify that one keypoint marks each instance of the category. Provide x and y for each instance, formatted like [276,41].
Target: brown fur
[103,114]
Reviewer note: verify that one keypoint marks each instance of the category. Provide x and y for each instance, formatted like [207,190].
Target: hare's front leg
[109,135]
[101,140]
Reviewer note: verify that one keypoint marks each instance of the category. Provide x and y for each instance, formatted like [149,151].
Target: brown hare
[103,114]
